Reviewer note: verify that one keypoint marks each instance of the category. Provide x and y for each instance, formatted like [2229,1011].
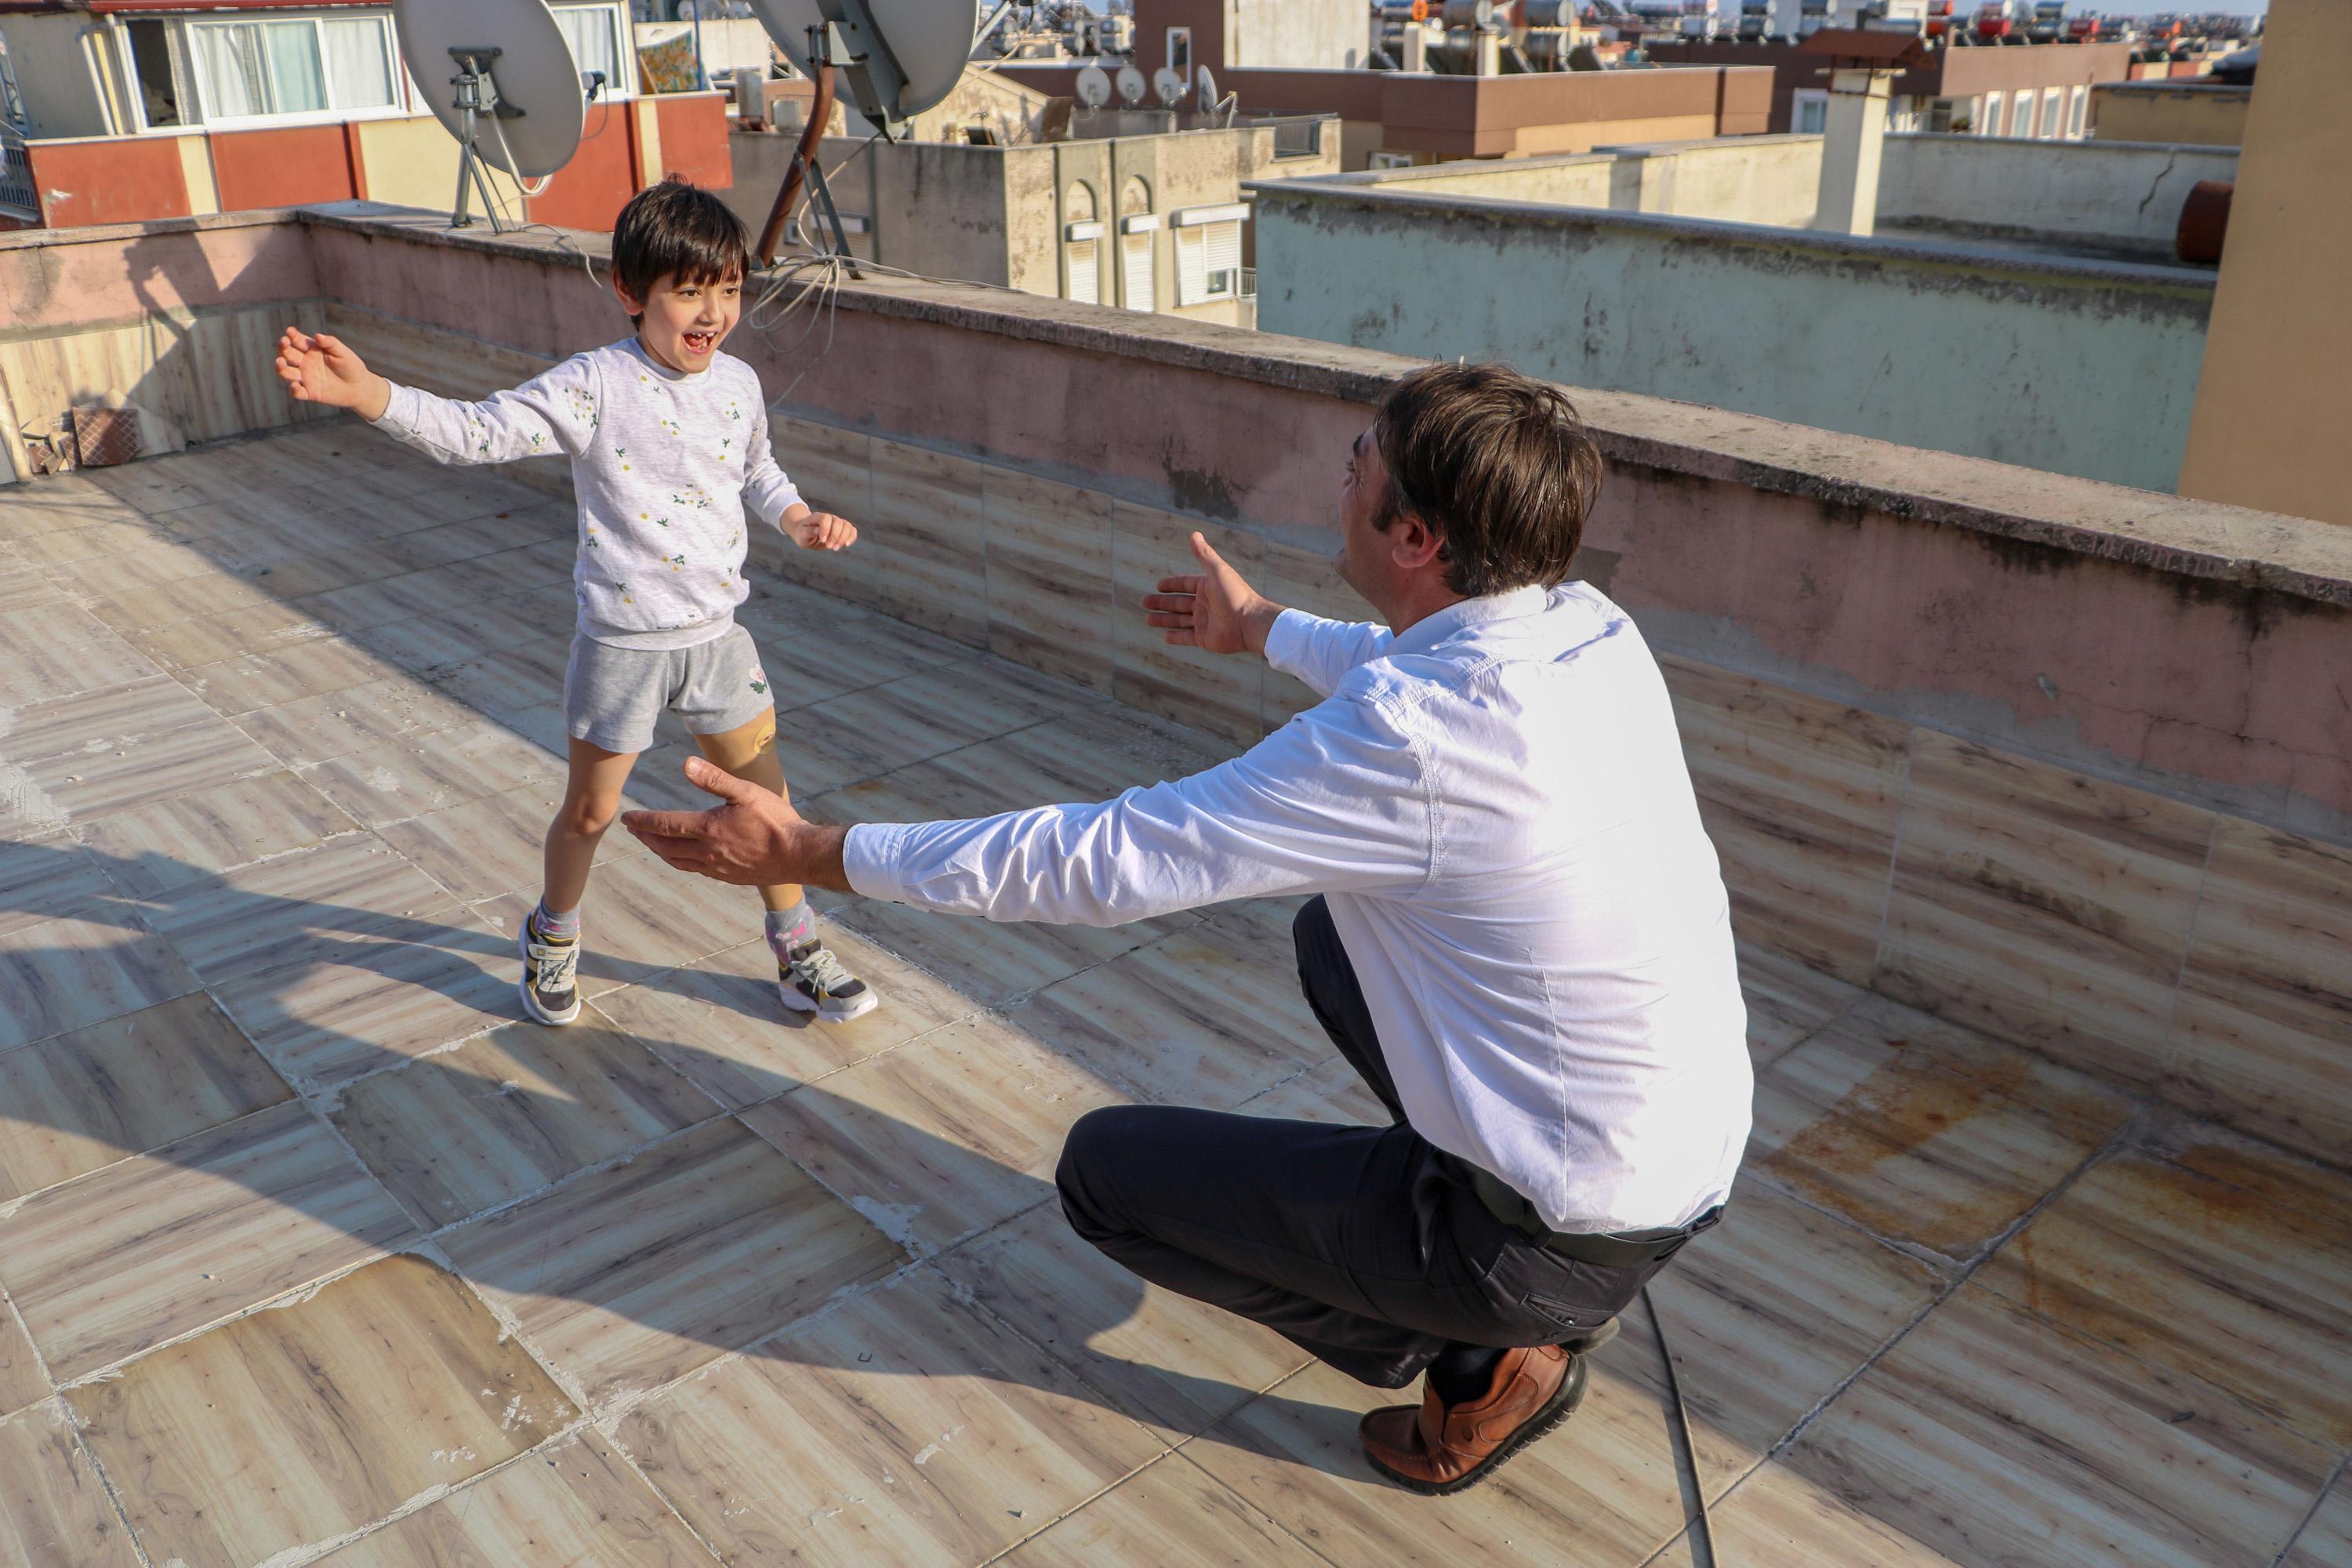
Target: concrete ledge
[2193,539]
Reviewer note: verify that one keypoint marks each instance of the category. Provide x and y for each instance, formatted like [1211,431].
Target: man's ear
[1412,542]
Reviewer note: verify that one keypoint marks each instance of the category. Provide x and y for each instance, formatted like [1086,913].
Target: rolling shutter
[1135,269]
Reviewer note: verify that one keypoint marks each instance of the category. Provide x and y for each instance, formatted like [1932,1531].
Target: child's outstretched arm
[773,496]
[553,413]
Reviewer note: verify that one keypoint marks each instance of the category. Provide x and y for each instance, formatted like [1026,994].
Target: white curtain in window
[588,30]
[297,83]
[229,69]
[359,64]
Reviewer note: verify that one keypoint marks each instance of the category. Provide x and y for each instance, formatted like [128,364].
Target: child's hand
[821,531]
[325,370]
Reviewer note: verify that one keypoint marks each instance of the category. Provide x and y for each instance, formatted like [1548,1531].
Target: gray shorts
[612,697]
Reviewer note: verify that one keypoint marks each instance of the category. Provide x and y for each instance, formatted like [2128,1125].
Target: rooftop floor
[312,1252]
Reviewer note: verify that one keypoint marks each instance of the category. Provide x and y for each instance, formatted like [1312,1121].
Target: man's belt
[1630,1249]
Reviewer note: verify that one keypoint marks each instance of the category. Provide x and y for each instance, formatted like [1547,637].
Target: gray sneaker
[551,993]
[810,979]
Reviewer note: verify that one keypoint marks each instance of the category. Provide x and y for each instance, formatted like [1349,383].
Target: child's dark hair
[676,227]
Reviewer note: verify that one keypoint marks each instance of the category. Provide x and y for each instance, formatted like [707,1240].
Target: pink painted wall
[62,280]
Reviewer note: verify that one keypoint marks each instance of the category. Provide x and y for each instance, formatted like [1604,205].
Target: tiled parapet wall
[2068,762]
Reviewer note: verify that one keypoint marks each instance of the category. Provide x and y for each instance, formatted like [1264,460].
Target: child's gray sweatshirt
[662,463]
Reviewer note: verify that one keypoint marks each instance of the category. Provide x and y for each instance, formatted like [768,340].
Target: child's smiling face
[684,323]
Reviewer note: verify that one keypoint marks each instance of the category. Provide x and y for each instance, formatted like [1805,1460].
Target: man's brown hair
[1496,463]
[676,227]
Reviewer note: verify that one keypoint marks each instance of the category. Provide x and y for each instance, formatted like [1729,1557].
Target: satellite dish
[1170,85]
[527,77]
[901,57]
[1094,86]
[1132,86]
[1208,90]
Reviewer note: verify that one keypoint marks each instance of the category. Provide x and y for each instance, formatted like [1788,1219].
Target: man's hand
[325,370]
[755,839]
[821,531]
[1215,610]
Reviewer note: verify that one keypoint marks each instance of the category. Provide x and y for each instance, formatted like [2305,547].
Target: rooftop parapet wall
[2064,761]
[2069,366]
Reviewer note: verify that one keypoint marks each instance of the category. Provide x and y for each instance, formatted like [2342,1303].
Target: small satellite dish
[1170,85]
[1132,86]
[1208,90]
[1094,86]
[901,57]
[528,77]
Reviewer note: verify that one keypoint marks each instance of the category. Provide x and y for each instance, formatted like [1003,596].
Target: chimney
[1854,134]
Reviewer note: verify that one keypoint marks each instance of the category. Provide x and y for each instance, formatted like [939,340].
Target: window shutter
[1225,253]
[1135,263]
[1086,284]
[1192,266]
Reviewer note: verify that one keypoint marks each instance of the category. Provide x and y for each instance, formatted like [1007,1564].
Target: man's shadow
[44,879]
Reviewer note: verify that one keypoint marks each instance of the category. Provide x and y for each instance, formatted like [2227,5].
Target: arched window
[1081,245]
[1138,234]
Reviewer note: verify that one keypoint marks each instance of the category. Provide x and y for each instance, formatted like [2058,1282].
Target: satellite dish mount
[829,49]
[473,71]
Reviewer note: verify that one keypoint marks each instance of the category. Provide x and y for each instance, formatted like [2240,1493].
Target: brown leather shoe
[1436,1450]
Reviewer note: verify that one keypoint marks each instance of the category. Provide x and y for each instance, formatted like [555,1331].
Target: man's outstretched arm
[754,837]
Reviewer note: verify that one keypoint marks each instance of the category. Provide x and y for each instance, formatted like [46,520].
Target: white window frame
[1807,98]
[2021,107]
[2054,113]
[1183,36]
[1996,115]
[624,48]
[2078,105]
[182,46]
[1200,234]
[1388,160]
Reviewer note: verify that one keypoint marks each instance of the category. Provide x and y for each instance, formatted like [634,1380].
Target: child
[668,443]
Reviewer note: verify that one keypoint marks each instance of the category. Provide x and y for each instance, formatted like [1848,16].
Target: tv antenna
[899,58]
[515,79]
[1094,86]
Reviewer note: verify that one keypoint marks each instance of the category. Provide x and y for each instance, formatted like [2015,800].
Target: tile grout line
[2302,1525]
[2117,1141]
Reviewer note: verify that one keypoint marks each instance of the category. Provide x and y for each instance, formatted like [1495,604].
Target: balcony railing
[20,196]
[1294,135]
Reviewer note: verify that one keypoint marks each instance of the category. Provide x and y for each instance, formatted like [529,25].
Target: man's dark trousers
[1364,1245]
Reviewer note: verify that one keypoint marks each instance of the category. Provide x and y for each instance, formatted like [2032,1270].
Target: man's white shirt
[1496,805]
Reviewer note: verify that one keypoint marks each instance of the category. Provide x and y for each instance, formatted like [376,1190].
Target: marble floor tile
[22,1381]
[1768,1313]
[641,917]
[348,1004]
[57,649]
[187,837]
[100,720]
[42,877]
[2327,1539]
[631,1276]
[496,844]
[213,594]
[909,1427]
[2041,906]
[399,779]
[1203,1018]
[82,968]
[1175,1365]
[312,904]
[1782,1517]
[103,576]
[314,730]
[719,1020]
[509,1112]
[1171,1500]
[78,1101]
[1048,571]
[1106,751]
[236,686]
[221,1444]
[145,767]
[1213,692]
[2210,1256]
[53,1510]
[1921,1132]
[1993,1436]
[1787,1000]
[2263,1030]
[1331,1091]
[943,1137]
[207,639]
[194,1232]
[1801,797]
[994,962]
[576,1505]
[1600,1489]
